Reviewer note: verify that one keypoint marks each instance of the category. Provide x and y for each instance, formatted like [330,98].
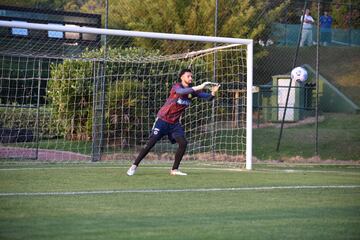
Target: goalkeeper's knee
[182,142]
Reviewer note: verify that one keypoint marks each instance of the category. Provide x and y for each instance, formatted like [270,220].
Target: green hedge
[130,87]
[25,118]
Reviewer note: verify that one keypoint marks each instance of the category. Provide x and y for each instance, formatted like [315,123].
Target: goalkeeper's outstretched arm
[188,90]
[201,86]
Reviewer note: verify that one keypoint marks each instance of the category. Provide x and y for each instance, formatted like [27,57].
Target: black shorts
[162,128]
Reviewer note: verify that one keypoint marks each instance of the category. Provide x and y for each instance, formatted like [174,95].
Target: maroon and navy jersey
[179,99]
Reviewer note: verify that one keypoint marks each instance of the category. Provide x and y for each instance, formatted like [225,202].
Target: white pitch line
[178,190]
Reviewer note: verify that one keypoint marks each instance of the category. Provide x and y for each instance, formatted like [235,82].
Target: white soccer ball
[299,74]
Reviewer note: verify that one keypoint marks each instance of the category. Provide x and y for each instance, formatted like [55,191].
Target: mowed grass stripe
[107,204]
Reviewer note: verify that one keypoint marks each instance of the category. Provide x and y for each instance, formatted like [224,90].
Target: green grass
[319,213]
[339,139]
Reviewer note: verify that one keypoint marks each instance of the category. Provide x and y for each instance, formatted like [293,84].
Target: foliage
[124,112]
[238,18]
[345,16]
[70,93]
[14,117]
[71,88]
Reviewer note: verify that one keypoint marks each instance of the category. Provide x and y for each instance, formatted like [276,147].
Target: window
[19,31]
[72,35]
[55,34]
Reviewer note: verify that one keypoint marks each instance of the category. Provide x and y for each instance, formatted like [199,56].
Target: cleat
[177,172]
[131,170]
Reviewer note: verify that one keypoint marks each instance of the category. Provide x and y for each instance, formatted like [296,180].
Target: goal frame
[166,36]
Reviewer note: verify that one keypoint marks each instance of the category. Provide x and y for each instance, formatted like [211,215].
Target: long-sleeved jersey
[179,99]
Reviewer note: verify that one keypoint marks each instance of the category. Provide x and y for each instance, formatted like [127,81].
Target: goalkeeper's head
[185,76]
[183,71]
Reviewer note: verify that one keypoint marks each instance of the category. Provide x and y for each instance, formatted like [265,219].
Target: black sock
[153,139]
[180,151]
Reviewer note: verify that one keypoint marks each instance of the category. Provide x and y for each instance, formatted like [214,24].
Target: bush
[70,94]
[124,112]
[71,88]
[25,118]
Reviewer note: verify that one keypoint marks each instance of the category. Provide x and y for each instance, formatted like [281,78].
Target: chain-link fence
[322,113]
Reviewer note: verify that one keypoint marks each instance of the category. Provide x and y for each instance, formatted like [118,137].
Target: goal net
[73,93]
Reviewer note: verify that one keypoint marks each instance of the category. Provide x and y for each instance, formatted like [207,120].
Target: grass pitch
[98,201]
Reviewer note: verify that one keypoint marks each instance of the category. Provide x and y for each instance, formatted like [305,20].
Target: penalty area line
[177,190]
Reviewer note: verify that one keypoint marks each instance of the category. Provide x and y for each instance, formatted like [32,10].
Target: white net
[92,103]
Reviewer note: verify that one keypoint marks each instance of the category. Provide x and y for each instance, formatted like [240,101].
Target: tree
[43,4]
[242,19]
[346,15]
[236,18]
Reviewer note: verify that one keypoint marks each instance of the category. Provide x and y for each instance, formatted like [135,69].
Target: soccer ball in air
[299,74]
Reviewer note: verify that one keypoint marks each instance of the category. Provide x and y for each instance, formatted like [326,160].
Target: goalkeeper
[167,121]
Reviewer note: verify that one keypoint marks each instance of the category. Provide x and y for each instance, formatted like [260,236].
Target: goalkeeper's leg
[182,142]
[152,141]
[150,144]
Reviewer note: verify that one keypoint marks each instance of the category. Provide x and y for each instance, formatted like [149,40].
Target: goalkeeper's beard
[188,85]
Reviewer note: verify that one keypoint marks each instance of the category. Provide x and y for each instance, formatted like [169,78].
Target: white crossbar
[124,33]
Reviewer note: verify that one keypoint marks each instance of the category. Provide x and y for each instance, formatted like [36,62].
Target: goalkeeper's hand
[214,89]
[202,86]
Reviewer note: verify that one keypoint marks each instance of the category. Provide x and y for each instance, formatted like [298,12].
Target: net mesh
[66,100]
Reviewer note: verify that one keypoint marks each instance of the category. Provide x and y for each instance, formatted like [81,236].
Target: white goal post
[166,36]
